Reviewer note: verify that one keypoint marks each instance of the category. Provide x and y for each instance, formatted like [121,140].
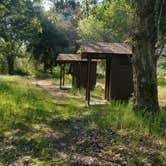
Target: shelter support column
[60,76]
[107,78]
[88,80]
[63,75]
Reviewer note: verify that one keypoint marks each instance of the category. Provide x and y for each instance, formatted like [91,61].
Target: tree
[148,37]
[94,30]
[46,46]
[107,22]
[65,12]
[18,25]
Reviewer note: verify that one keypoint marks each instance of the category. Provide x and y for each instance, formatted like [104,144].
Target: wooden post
[109,78]
[63,82]
[88,80]
[106,82]
[60,76]
[86,97]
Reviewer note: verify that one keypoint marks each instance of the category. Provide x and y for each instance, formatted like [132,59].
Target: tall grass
[121,116]
[27,115]
[21,102]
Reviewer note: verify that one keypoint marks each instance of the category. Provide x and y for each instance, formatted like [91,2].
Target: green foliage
[66,8]
[90,29]
[161,68]
[24,66]
[3,64]
[18,25]
[109,22]
[49,43]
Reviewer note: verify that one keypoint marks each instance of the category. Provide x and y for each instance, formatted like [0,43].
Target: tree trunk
[144,60]
[10,61]
[145,77]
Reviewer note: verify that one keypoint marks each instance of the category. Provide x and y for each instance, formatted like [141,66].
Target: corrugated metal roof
[106,48]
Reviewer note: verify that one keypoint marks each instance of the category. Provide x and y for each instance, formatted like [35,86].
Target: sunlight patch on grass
[162,93]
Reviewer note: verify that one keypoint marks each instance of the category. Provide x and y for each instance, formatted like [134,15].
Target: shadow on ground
[65,136]
[71,141]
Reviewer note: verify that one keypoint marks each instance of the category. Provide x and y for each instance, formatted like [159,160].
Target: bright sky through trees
[47,4]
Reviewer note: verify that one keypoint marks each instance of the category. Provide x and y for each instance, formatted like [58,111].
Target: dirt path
[53,89]
[162,103]
[57,93]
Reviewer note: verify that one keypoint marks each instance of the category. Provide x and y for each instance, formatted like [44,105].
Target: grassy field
[37,129]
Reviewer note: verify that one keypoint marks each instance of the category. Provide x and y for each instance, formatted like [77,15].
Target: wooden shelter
[118,82]
[79,70]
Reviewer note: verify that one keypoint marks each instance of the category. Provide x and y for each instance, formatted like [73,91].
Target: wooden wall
[121,78]
[80,74]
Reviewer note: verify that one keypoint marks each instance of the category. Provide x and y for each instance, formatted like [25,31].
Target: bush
[24,66]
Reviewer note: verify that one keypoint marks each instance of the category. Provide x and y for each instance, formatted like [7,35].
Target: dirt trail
[162,103]
[53,89]
[57,93]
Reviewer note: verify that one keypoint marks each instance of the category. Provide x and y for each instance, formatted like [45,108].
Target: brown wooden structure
[79,70]
[118,82]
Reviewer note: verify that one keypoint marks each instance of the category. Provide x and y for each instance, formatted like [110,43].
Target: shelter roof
[106,48]
[68,58]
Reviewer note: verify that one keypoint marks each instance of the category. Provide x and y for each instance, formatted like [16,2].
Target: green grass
[33,125]
[24,107]
[21,100]
[120,116]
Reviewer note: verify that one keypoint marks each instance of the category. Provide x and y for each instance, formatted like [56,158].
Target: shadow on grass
[42,131]
[72,140]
